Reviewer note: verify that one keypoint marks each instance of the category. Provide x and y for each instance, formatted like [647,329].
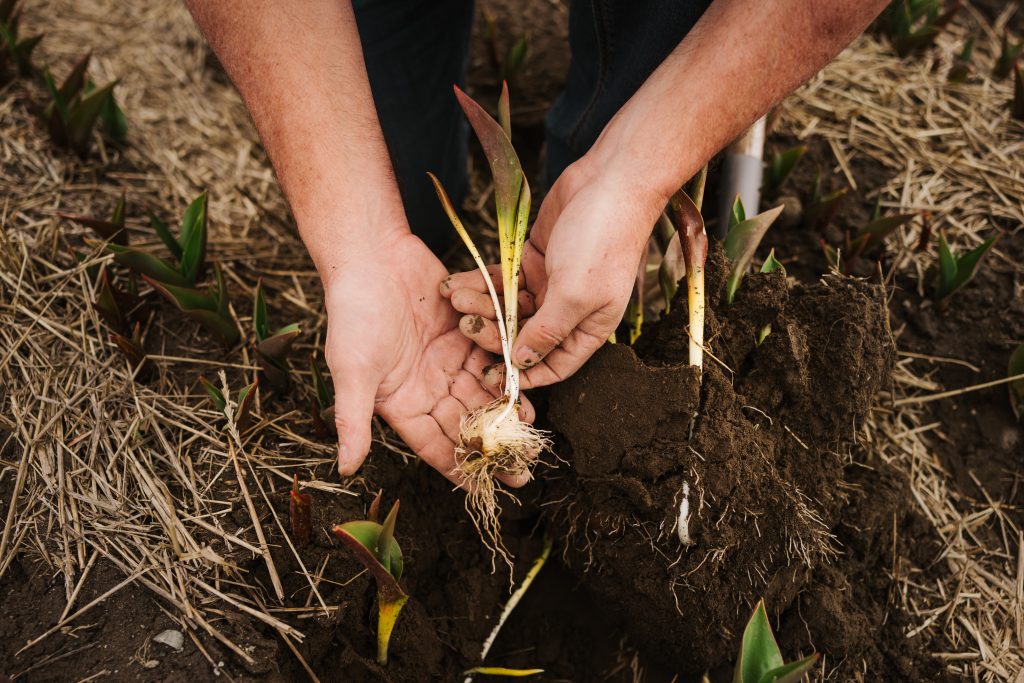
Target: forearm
[299,67]
[740,60]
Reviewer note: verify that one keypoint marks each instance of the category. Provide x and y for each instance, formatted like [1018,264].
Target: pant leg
[615,45]
[414,51]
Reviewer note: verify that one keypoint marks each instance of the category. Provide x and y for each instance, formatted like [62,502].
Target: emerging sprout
[760,660]
[1008,55]
[131,347]
[1014,369]
[741,242]
[779,167]
[953,271]
[962,67]
[77,105]
[15,51]
[867,239]
[300,512]
[913,25]
[188,249]
[272,348]
[694,242]
[210,309]
[770,265]
[821,208]
[321,406]
[492,438]
[374,545]
[111,230]
[243,411]
[508,66]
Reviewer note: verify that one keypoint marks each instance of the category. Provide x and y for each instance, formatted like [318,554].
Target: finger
[473,302]
[448,415]
[563,361]
[473,279]
[466,389]
[424,436]
[550,326]
[353,409]
[483,332]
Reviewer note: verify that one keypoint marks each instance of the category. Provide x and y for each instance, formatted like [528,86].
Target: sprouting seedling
[741,242]
[953,271]
[246,400]
[272,348]
[77,105]
[211,309]
[821,207]
[962,67]
[112,229]
[770,265]
[321,406]
[913,25]
[131,347]
[1015,368]
[300,513]
[1017,105]
[867,239]
[1009,53]
[760,660]
[694,241]
[492,438]
[779,168]
[14,50]
[509,65]
[672,266]
[188,249]
[374,545]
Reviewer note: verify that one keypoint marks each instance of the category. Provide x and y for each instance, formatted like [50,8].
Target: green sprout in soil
[131,347]
[953,271]
[1009,53]
[742,240]
[272,348]
[321,405]
[770,265]
[866,240]
[211,310]
[694,241]
[962,67]
[188,249]
[1015,368]
[77,105]
[492,438]
[511,64]
[374,545]
[913,25]
[779,168]
[820,207]
[15,51]
[242,414]
[760,660]
[300,513]
[110,229]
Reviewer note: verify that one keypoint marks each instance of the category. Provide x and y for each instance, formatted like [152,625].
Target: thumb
[353,412]
[557,317]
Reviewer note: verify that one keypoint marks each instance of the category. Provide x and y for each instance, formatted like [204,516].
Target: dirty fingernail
[446,285]
[471,324]
[493,373]
[527,357]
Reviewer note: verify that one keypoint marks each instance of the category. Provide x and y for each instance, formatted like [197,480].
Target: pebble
[171,638]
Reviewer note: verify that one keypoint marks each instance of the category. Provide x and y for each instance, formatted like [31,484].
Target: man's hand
[394,348]
[579,266]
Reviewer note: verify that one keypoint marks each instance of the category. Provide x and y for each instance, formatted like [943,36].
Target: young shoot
[742,240]
[111,230]
[242,411]
[1009,53]
[770,265]
[953,271]
[132,348]
[374,545]
[321,405]
[211,310]
[694,241]
[508,66]
[300,513]
[272,347]
[820,208]
[760,660]
[962,67]
[492,438]
[779,168]
[15,51]
[77,105]
[913,25]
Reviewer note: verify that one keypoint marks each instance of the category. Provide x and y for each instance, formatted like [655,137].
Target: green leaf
[203,308]
[107,304]
[790,673]
[215,394]
[505,110]
[115,124]
[324,397]
[695,188]
[144,263]
[75,82]
[131,347]
[383,547]
[515,59]
[280,343]
[164,233]
[58,110]
[193,239]
[1008,55]
[246,400]
[738,214]
[107,230]
[771,264]
[740,244]
[759,653]
[872,235]
[967,265]
[361,537]
[83,115]
[259,313]
[820,210]
[780,167]
[1014,368]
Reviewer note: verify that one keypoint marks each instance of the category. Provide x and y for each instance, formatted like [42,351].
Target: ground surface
[924,508]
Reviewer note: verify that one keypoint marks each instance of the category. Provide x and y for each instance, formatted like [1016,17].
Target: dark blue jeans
[416,49]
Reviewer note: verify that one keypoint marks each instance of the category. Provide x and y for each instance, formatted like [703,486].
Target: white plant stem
[695,298]
[683,521]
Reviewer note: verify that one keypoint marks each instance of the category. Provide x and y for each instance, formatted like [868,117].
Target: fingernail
[343,460]
[446,285]
[471,324]
[493,373]
[527,357]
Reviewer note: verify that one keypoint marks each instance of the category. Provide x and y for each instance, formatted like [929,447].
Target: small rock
[171,638]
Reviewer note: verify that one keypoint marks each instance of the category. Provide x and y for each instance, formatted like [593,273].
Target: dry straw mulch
[144,475]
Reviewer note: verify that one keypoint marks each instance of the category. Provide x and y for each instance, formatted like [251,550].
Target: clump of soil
[759,446]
